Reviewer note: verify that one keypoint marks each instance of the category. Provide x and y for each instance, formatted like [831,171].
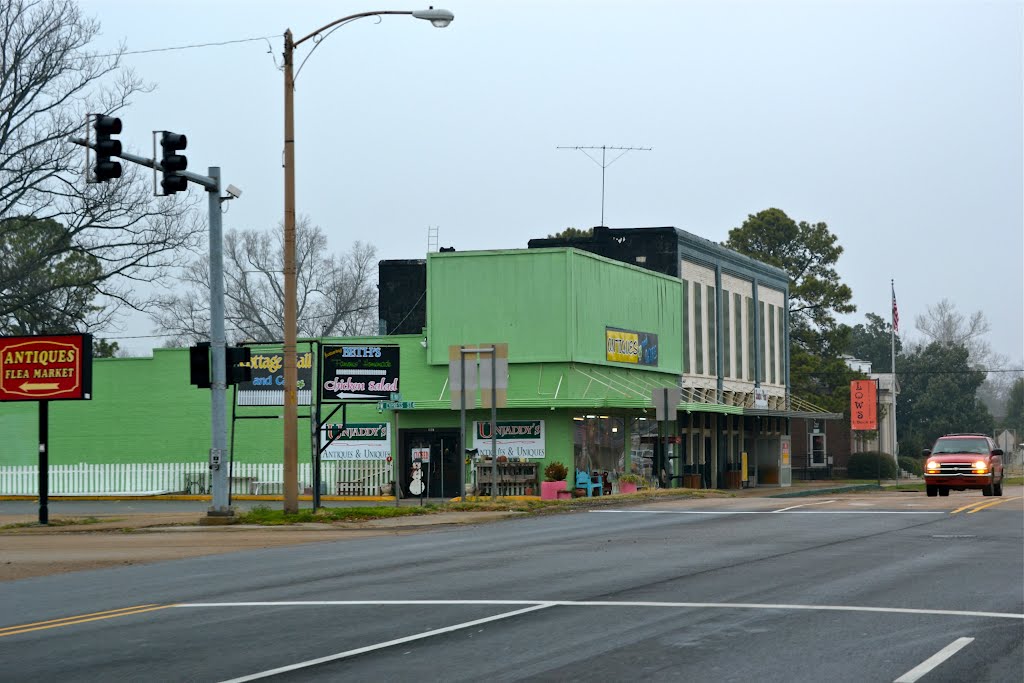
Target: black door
[440,474]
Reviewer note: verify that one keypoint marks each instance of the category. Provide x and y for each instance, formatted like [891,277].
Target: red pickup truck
[963,461]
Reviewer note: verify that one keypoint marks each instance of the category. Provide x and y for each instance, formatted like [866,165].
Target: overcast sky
[896,122]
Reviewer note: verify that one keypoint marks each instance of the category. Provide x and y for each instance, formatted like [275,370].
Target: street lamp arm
[344,19]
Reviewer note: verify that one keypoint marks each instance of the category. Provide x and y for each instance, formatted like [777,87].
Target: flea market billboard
[46,368]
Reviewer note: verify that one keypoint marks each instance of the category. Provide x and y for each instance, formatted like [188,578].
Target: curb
[834,489]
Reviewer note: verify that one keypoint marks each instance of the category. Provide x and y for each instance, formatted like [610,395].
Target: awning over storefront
[798,408]
[594,386]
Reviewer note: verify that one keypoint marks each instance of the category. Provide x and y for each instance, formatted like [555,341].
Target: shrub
[870,465]
[555,471]
[912,465]
[631,479]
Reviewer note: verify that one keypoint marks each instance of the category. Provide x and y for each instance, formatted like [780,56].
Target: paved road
[886,587]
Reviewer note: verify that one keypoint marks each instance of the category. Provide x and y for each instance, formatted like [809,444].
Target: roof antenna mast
[604,163]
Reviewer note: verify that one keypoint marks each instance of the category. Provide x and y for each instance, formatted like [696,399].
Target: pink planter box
[549,489]
[627,488]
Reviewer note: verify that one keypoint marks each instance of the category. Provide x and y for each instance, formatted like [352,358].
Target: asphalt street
[885,587]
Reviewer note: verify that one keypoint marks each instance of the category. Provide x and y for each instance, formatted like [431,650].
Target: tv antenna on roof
[604,163]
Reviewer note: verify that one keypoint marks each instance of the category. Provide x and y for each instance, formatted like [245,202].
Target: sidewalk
[112,518]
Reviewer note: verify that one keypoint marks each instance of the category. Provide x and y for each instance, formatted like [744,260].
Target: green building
[594,330]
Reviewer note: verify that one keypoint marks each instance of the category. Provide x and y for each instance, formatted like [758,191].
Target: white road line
[390,643]
[770,512]
[933,661]
[584,603]
[794,507]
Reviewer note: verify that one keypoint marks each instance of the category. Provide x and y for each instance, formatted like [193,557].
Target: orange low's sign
[864,405]
[50,368]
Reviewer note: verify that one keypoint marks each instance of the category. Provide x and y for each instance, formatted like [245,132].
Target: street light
[439,18]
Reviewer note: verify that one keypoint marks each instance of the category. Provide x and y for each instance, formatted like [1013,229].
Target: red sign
[46,368]
[863,405]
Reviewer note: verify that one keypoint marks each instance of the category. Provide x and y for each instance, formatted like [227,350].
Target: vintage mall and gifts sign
[46,368]
[266,388]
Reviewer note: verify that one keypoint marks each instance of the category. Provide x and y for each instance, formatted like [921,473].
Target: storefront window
[599,443]
[643,442]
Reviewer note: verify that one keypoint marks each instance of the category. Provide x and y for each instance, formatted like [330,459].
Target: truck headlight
[933,467]
[980,467]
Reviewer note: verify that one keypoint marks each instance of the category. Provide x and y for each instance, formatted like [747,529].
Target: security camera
[234,191]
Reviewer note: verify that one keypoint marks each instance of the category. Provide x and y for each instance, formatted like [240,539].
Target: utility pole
[604,163]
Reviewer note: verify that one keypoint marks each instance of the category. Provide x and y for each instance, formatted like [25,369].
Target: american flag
[895,313]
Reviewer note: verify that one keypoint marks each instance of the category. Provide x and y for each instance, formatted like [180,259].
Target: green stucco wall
[549,305]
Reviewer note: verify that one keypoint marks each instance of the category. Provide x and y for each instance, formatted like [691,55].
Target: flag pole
[892,342]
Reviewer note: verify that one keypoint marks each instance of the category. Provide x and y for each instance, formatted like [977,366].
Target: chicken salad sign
[354,372]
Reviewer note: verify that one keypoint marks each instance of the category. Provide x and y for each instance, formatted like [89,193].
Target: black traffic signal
[238,364]
[172,162]
[105,126]
[199,365]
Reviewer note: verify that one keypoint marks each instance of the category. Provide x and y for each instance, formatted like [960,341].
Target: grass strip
[266,516]
[62,521]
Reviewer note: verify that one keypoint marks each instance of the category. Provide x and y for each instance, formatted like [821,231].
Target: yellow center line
[969,505]
[80,619]
[77,616]
[994,502]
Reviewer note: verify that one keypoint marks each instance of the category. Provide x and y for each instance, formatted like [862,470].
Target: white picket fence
[349,477]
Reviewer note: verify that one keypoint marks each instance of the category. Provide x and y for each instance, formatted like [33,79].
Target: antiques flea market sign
[50,368]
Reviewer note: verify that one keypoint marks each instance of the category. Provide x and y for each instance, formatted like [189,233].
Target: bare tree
[944,324]
[336,293]
[49,82]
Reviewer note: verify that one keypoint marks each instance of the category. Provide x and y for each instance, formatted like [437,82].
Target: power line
[187,47]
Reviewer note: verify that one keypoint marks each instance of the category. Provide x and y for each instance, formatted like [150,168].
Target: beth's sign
[51,368]
[353,372]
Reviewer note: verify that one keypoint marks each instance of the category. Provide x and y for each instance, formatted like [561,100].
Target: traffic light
[172,162]
[238,364]
[199,365]
[105,126]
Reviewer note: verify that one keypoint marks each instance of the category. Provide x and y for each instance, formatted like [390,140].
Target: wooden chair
[584,480]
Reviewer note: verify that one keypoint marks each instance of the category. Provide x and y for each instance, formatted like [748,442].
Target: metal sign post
[462,380]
